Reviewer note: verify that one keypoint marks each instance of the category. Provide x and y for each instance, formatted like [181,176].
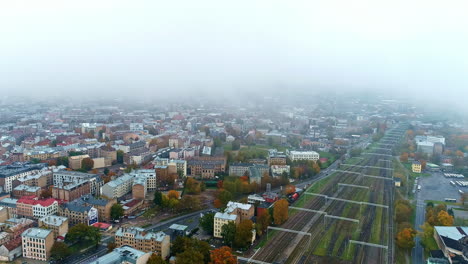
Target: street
[417,253]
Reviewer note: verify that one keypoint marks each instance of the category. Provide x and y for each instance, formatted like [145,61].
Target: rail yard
[345,218]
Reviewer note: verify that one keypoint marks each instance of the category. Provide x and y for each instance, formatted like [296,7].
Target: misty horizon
[161,50]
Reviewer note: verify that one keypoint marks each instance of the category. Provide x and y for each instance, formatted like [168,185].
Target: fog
[169,48]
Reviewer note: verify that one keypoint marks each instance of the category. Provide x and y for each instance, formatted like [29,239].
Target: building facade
[142,240]
[37,243]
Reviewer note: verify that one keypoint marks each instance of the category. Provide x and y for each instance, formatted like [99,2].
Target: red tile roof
[32,200]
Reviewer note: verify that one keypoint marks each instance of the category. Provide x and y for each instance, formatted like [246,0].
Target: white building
[278,170]
[303,155]
[118,187]
[45,208]
[123,185]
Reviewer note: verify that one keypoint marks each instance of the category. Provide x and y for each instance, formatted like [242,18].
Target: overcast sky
[152,47]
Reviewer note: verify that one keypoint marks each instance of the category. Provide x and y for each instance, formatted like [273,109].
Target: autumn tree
[243,237]
[403,211]
[223,255]
[404,157]
[192,186]
[405,238]
[173,194]
[289,189]
[155,259]
[263,221]
[111,246]
[87,164]
[444,219]
[423,164]
[223,197]
[280,211]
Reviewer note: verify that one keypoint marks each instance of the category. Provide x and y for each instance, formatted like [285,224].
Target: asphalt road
[417,254]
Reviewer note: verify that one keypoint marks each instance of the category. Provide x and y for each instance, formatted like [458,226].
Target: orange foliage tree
[280,211]
[289,189]
[444,219]
[222,255]
[173,194]
[405,238]
[404,157]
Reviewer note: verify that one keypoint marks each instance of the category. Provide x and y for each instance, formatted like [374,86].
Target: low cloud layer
[151,48]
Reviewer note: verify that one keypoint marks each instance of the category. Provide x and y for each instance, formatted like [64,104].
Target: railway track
[287,247]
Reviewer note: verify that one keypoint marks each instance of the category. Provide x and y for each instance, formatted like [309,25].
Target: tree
[402,212]
[192,186]
[117,211]
[228,233]
[120,156]
[243,237]
[423,164]
[106,171]
[173,194]
[444,219]
[289,189]
[405,238]
[46,193]
[184,244]
[280,211]
[157,200]
[155,259]
[189,203]
[62,161]
[59,251]
[190,256]
[224,197]
[206,222]
[82,233]
[111,246]
[263,221]
[404,157]
[223,255]
[235,144]
[87,164]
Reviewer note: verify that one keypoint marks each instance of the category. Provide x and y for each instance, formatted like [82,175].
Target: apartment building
[41,179]
[118,187]
[144,180]
[9,173]
[72,191]
[142,240]
[416,167]
[206,167]
[37,243]
[125,255]
[303,155]
[74,162]
[234,212]
[79,214]
[24,190]
[239,169]
[58,224]
[78,208]
[278,170]
[64,177]
[33,207]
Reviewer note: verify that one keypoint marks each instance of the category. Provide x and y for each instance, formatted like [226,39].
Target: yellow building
[234,212]
[144,241]
[416,167]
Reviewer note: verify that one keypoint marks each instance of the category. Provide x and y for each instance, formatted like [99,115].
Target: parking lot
[437,187]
